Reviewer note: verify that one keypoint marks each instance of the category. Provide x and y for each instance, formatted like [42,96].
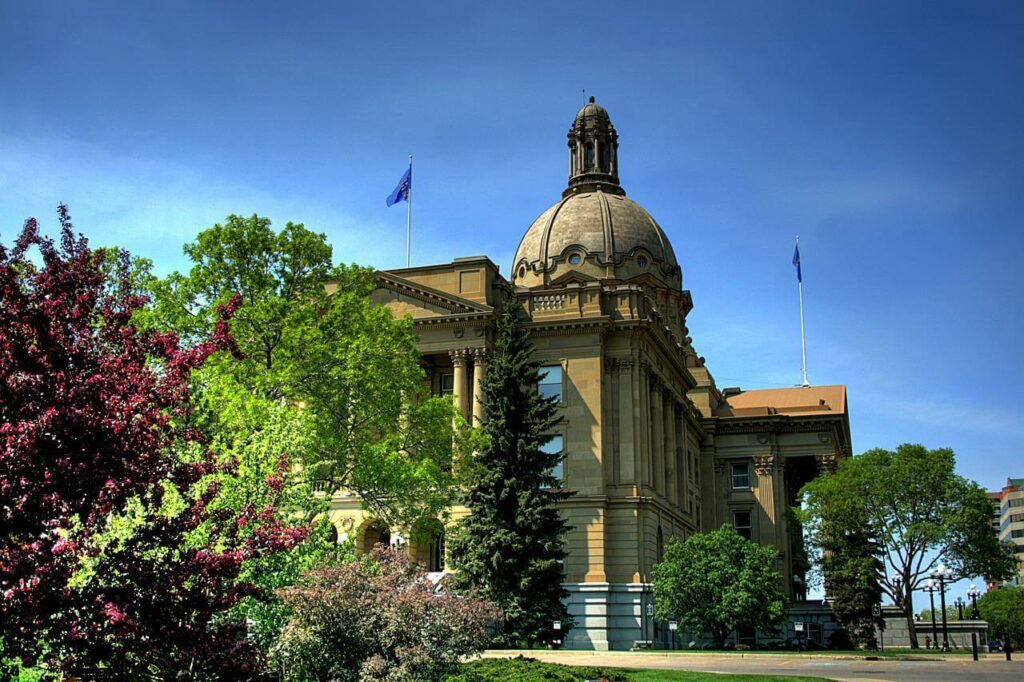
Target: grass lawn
[685,676]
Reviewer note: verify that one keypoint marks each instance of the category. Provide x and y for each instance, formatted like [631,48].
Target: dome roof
[595,230]
[607,229]
[592,110]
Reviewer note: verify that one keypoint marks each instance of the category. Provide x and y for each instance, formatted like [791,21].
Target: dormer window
[641,261]
[575,259]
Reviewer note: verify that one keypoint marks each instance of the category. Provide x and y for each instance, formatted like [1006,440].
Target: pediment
[574,277]
[406,297]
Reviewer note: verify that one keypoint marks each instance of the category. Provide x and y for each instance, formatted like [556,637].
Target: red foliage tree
[90,409]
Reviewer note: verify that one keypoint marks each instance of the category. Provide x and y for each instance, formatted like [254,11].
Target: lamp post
[960,608]
[943,574]
[897,581]
[672,627]
[931,598]
[973,594]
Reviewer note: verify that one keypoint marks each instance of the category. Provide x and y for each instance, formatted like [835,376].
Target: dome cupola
[593,151]
[595,230]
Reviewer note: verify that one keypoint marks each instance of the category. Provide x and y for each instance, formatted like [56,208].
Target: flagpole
[803,336]
[408,220]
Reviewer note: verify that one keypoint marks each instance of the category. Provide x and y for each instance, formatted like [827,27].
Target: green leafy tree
[1004,611]
[851,566]
[510,546]
[312,338]
[719,581]
[918,510]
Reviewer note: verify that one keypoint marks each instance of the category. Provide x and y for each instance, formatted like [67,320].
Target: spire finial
[591,99]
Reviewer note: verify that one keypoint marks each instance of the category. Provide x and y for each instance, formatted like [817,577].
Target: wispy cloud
[152,206]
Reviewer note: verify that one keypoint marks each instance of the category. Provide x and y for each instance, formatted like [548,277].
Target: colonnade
[469,400]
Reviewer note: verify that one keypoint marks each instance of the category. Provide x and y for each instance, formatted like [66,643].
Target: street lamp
[931,587]
[942,574]
[672,627]
[897,581]
[973,594]
[960,603]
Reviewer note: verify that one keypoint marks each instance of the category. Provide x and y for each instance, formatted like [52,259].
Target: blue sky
[889,136]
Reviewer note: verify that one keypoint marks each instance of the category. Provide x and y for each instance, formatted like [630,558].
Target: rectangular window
[550,385]
[555,448]
[740,475]
[741,522]
[447,384]
[1017,533]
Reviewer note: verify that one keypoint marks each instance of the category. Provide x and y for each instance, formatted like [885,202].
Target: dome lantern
[593,151]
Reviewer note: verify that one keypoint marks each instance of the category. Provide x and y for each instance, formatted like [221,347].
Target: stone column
[671,484]
[460,394]
[765,467]
[683,473]
[479,374]
[657,439]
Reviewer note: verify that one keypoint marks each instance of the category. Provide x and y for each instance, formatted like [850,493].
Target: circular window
[522,271]
[641,261]
[575,259]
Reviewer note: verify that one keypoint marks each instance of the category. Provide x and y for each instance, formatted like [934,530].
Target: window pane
[555,447]
[741,522]
[551,382]
[740,476]
[447,384]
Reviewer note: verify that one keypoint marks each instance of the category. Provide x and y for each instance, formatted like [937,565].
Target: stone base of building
[608,616]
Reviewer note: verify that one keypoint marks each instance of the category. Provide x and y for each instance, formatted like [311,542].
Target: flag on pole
[796,262]
[403,190]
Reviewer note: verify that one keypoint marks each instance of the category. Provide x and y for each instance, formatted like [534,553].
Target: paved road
[954,669]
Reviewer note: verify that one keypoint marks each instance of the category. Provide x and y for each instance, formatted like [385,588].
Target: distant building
[653,448]
[1011,522]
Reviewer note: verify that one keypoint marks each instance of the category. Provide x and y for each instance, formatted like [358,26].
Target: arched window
[436,561]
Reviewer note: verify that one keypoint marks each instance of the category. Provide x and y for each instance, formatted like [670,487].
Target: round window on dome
[522,271]
[641,261]
[575,259]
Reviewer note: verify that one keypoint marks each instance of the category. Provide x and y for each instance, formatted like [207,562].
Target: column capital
[459,356]
[764,465]
[481,356]
[827,463]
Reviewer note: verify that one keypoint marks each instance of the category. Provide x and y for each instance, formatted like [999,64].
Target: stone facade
[653,448]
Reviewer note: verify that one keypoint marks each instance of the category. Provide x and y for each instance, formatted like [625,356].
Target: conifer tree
[510,546]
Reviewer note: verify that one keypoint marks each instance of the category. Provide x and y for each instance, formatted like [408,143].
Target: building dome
[595,229]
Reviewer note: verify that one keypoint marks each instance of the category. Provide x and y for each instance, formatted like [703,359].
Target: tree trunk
[908,611]
[720,637]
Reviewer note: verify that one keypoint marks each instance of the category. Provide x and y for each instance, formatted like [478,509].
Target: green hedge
[529,670]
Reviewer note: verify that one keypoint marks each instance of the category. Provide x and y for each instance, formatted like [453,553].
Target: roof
[800,401]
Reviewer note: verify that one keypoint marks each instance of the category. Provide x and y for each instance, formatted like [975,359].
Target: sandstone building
[653,448]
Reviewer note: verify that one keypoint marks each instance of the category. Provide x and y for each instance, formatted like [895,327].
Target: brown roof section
[802,401]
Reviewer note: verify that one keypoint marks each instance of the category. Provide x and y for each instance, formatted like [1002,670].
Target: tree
[919,511]
[719,581]
[510,546]
[377,618]
[1004,611]
[311,336]
[851,567]
[98,506]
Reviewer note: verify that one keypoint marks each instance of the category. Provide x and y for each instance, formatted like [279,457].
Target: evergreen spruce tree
[510,546]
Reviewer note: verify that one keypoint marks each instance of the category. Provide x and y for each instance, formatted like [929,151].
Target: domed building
[652,447]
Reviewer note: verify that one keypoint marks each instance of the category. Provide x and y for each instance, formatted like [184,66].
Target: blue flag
[796,262]
[403,190]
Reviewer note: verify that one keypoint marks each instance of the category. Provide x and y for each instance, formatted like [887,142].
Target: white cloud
[152,206]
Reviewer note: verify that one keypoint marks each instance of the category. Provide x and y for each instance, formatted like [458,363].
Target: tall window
[741,522]
[435,563]
[551,382]
[555,448]
[447,384]
[740,476]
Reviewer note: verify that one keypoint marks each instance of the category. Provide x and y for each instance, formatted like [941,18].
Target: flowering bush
[377,618]
[97,505]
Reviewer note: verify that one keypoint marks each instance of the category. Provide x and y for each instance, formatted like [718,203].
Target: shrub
[377,618]
[524,669]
